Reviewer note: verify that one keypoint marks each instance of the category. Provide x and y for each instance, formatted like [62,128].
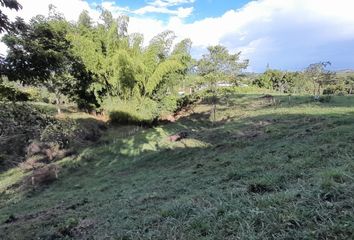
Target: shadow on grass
[150,147]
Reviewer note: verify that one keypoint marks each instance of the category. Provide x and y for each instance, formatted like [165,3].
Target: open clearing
[261,171]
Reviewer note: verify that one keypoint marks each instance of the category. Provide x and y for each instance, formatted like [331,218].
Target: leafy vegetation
[98,65]
[315,80]
[22,124]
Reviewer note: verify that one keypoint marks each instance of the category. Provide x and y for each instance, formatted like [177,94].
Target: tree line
[99,65]
[314,80]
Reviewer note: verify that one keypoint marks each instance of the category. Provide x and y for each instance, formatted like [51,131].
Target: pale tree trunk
[314,88]
[57,101]
[214,104]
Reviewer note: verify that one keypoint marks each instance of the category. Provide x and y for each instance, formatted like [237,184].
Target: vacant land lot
[265,169]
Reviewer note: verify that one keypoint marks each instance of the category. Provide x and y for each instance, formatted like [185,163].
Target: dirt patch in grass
[259,188]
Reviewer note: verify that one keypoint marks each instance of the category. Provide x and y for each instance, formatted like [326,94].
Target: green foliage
[132,112]
[59,132]
[284,82]
[94,64]
[128,74]
[349,83]
[84,20]
[5,24]
[23,123]
[319,76]
[39,55]
[18,123]
[220,66]
[314,80]
[11,93]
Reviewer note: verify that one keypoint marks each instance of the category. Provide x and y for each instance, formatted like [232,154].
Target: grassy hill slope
[262,171]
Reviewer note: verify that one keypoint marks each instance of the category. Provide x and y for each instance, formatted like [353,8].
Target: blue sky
[215,8]
[286,34]
[202,8]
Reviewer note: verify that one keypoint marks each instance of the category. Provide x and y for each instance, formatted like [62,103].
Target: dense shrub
[120,117]
[168,104]
[145,111]
[21,124]
[34,94]
[10,93]
[131,112]
[334,89]
[186,100]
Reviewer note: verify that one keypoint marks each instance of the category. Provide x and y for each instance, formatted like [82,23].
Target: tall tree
[39,54]
[84,19]
[102,61]
[318,74]
[218,65]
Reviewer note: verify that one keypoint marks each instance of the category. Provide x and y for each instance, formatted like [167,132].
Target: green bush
[144,111]
[10,93]
[131,112]
[334,89]
[120,117]
[61,133]
[34,94]
[168,104]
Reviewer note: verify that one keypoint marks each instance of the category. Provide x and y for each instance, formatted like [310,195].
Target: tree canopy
[98,64]
[219,65]
[5,23]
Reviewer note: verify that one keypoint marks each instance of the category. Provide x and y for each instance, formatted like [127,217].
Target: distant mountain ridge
[345,71]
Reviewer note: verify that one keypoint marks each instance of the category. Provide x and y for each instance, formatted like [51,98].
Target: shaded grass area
[262,171]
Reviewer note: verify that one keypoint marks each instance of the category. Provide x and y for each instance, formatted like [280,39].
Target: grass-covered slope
[283,171]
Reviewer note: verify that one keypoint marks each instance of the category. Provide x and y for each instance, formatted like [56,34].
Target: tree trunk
[214,103]
[57,101]
[214,113]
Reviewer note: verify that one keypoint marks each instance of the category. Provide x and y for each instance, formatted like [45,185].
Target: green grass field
[261,171]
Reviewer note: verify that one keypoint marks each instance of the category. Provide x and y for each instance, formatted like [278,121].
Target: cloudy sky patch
[286,34]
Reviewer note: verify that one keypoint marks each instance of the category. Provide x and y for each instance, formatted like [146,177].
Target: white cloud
[70,8]
[169,3]
[165,7]
[112,7]
[180,12]
[284,33]
[148,27]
